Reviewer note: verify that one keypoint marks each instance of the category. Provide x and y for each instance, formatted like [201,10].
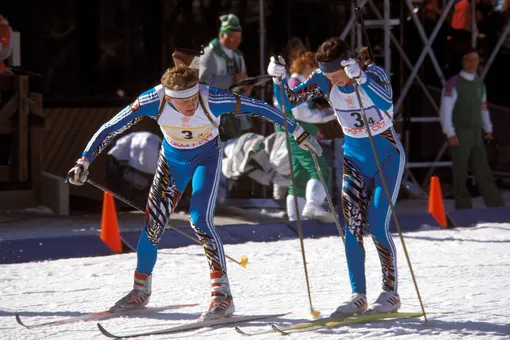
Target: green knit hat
[230,23]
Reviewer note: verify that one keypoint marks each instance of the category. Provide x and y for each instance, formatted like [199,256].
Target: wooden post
[37,124]
[36,142]
[21,133]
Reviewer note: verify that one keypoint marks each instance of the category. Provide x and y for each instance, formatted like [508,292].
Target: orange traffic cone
[110,233]
[436,205]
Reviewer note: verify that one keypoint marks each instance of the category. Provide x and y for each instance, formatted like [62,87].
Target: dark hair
[292,43]
[332,49]
[468,50]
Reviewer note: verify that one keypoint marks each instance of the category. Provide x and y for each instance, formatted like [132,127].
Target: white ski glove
[306,141]
[276,69]
[78,174]
[353,71]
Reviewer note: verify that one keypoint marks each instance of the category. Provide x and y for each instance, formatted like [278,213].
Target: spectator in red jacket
[5,42]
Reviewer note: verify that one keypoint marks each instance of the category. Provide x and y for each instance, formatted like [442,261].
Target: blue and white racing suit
[365,203]
[191,151]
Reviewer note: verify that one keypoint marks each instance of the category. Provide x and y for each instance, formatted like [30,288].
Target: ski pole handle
[359,12]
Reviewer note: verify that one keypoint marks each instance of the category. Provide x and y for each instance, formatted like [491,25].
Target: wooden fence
[21,119]
[67,133]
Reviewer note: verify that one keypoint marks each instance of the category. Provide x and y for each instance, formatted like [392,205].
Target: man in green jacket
[221,66]
[463,116]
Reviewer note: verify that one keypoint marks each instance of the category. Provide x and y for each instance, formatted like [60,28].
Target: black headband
[334,65]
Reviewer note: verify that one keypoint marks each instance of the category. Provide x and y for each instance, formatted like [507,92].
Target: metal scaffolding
[384,21]
[391,41]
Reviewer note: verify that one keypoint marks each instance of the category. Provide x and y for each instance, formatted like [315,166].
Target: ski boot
[317,212]
[315,196]
[387,302]
[138,297]
[221,304]
[357,304]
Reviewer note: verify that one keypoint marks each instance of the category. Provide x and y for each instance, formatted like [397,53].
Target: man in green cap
[463,116]
[222,65]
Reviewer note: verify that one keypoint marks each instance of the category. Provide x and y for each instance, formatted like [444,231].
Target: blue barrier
[52,248]
[468,218]
[87,245]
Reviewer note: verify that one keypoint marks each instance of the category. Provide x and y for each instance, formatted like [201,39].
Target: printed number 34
[359,120]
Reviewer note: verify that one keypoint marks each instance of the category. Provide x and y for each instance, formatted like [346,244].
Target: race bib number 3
[186,134]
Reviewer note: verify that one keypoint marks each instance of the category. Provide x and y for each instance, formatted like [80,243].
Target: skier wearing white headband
[188,114]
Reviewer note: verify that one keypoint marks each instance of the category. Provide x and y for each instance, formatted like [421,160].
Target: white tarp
[262,159]
[139,149]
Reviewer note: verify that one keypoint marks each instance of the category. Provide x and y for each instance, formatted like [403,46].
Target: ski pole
[243,262]
[315,313]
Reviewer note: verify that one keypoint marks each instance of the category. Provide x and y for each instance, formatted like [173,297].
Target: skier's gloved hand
[276,69]
[306,141]
[353,71]
[78,174]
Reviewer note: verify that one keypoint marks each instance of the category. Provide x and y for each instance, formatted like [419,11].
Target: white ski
[192,325]
[101,315]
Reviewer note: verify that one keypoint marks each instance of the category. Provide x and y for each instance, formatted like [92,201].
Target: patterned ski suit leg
[205,184]
[366,204]
[379,212]
[172,175]
[355,199]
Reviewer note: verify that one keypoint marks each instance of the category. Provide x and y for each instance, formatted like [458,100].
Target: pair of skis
[175,329]
[333,322]
[324,323]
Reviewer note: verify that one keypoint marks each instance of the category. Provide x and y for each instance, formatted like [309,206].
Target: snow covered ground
[465,271]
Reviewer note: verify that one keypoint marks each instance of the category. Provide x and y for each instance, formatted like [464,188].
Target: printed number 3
[359,120]
[187,134]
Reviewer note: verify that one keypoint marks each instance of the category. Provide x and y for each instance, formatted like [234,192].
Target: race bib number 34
[354,118]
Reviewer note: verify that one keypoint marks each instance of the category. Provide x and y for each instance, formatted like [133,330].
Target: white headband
[182,94]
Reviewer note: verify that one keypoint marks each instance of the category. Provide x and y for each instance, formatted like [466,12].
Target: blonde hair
[179,78]
[305,59]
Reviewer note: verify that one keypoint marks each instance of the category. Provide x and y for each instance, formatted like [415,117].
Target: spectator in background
[309,190]
[293,49]
[5,52]
[463,115]
[432,10]
[221,66]
[461,33]
[462,20]
[5,42]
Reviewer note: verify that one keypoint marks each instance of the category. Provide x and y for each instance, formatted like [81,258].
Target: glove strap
[302,137]
[83,164]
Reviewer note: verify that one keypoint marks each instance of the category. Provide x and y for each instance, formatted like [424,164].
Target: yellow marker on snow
[244,261]
[315,313]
